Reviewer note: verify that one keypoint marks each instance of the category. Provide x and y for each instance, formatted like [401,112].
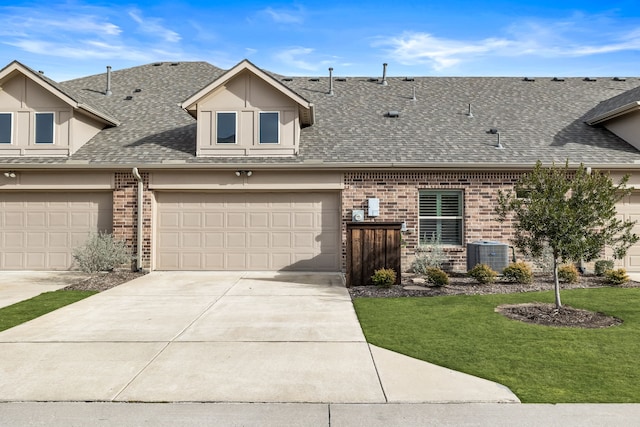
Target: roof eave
[609,115]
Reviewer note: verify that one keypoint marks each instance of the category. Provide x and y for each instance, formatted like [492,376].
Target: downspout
[138,178]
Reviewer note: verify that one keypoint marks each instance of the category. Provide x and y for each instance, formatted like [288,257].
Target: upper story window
[440,216]
[269,127]
[226,127]
[6,128]
[44,128]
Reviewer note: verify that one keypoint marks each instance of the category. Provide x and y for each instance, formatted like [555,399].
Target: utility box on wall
[370,246]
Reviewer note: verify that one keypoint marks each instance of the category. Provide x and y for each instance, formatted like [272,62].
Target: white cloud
[154,27]
[560,39]
[282,16]
[292,57]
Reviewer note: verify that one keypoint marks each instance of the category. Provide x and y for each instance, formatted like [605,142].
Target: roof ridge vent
[409,79]
[589,79]
[314,79]
[557,79]
[393,114]
[619,79]
[287,79]
[528,79]
[384,75]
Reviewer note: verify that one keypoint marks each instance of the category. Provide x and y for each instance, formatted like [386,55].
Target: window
[269,127]
[5,128]
[440,216]
[44,128]
[226,128]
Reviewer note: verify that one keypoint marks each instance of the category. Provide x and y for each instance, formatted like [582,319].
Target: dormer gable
[39,117]
[620,115]
[247,112]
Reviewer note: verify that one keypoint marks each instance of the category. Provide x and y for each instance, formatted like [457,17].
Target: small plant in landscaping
[602,266]
[384,277]
[437,277]
[518,272]
[428,256]
[101,252]
[568,273]
[616,277]
[483,274]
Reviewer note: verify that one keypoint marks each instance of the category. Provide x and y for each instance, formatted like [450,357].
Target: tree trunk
[556,283]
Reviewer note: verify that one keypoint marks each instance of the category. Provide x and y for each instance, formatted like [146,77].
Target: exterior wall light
[243,172]
[10,174]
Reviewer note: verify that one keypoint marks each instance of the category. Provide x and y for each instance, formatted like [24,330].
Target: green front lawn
[538,363]
[24,311]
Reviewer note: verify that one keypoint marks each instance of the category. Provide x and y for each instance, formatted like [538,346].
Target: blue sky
[416,38]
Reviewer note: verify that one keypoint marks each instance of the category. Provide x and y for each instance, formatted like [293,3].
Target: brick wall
[398,194]
[125,214]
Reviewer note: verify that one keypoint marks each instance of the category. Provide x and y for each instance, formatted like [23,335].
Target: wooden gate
[371,246]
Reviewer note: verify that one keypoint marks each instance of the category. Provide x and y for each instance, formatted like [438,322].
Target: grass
[26,310]
[540,364]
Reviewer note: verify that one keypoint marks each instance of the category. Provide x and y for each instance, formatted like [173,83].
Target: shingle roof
[538,120]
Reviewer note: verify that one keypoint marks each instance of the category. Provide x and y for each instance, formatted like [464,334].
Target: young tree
[571,212]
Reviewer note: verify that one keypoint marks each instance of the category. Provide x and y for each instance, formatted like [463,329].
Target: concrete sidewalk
[219,337]
[16,286]
[79,414]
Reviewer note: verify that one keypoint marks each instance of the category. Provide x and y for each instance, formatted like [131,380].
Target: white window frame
[424,239]
[260,127]
[235,114]
[53,128]
[11,125]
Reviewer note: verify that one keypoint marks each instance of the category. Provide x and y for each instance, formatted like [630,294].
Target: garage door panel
[629,209]
[40,230]
[255,231]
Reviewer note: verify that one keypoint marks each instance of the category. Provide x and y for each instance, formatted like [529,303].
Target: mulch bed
[104,280]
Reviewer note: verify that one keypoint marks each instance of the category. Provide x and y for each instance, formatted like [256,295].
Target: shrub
[428,256]
[483,274]
[602,266]
[101,252]
[616,277]
[518,272]
[437,277]
[568,273]
[384,277]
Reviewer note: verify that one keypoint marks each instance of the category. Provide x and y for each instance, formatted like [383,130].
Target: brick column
[125,211]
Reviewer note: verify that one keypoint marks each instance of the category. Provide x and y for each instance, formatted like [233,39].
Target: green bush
[437,277]
[518,272]
[384,277]
[602,266]
[101,252]
[616,277]
[568,273]
[483,274]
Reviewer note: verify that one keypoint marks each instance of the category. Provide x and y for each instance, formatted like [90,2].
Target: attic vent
[589,79]
[393,114]
[619,79]
[128,98]
[40,72]
[528,79]
[175,64]
[157,64]
[557,79]
[408,79]
[341,79]
[372,79]
[137,90]
[287,79]
[315,79]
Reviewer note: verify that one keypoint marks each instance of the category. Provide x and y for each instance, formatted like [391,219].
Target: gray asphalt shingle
[537,120]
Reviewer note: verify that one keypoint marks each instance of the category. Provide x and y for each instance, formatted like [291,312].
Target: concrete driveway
[219,337]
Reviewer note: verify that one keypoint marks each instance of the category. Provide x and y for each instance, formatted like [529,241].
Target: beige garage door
[248,231]
[629,209]
[38,231]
